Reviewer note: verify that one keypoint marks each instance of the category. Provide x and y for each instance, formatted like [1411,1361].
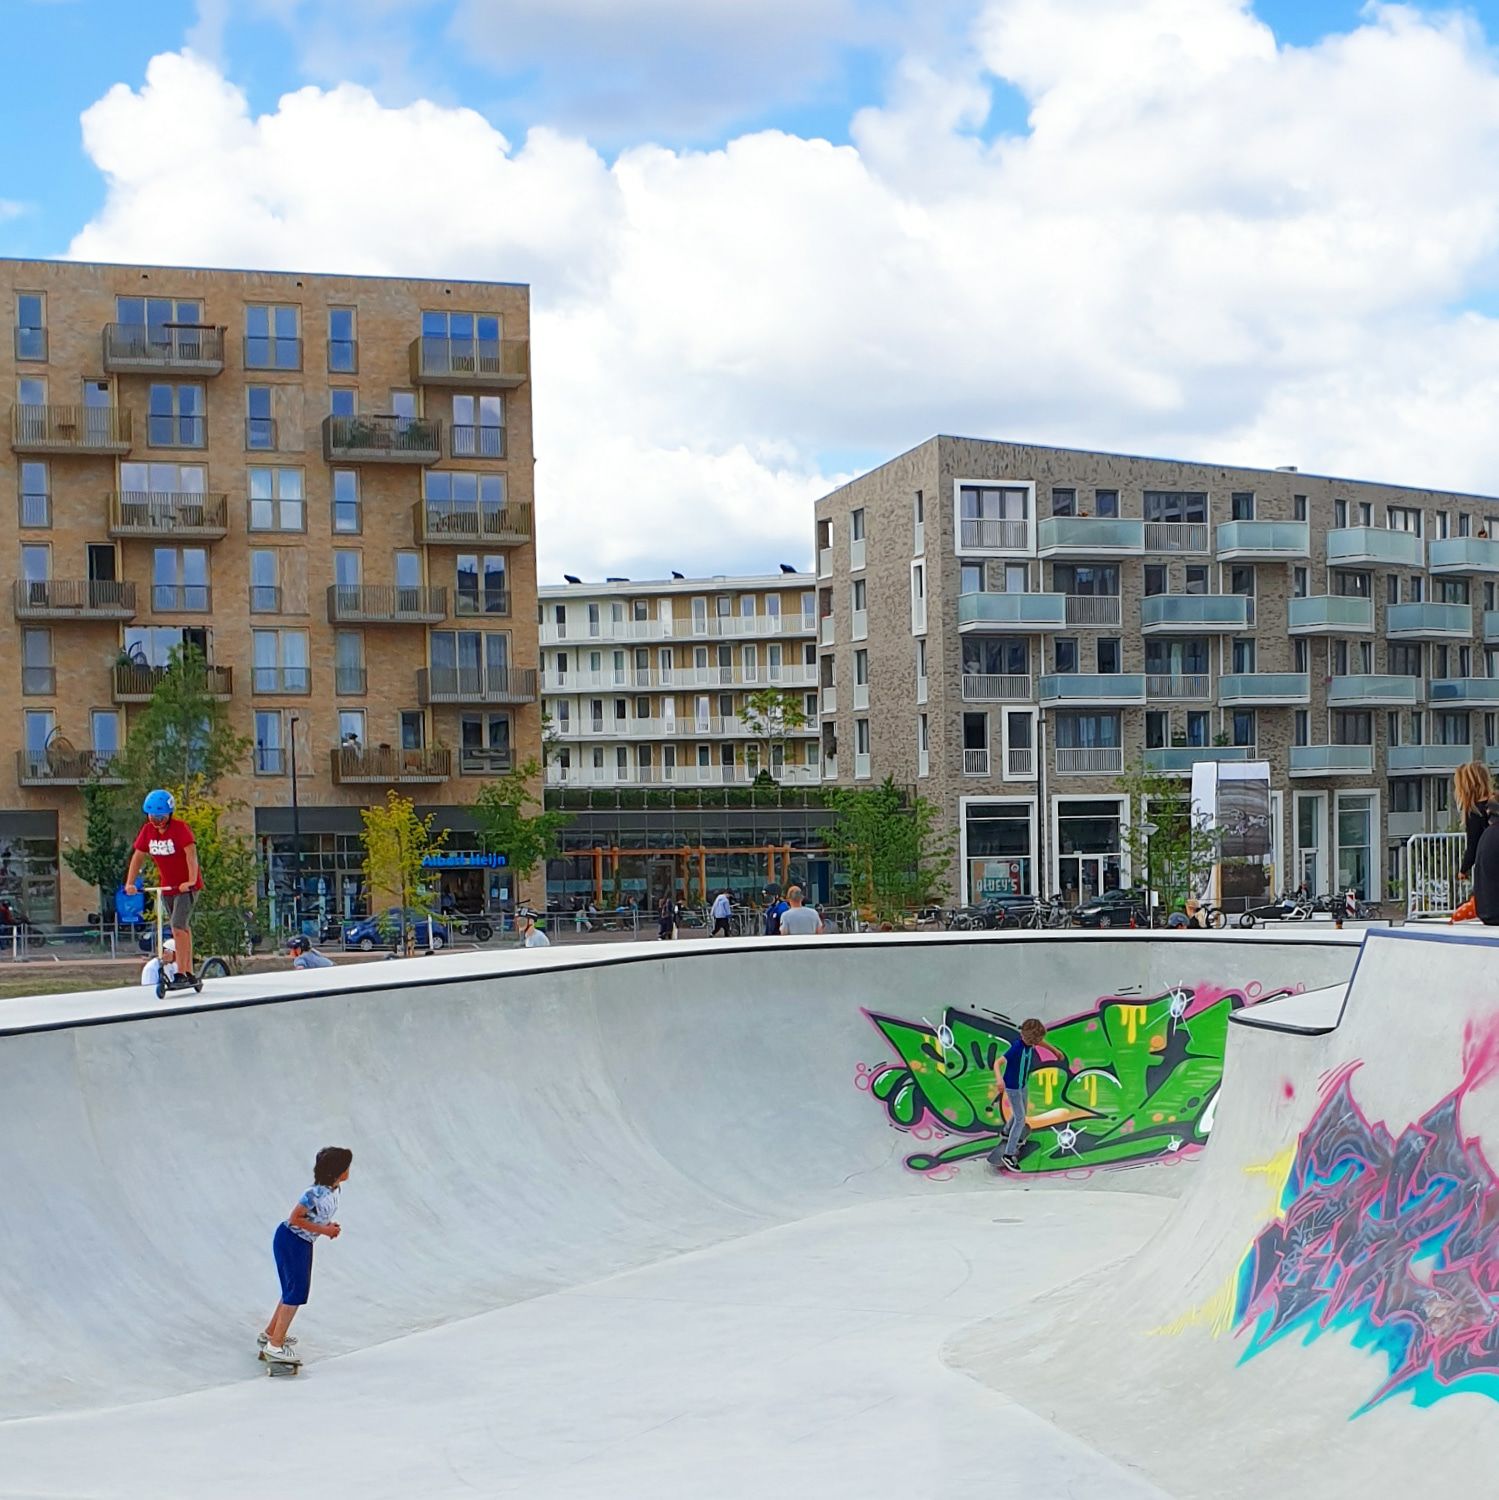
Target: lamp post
[1041,892]
[296,835]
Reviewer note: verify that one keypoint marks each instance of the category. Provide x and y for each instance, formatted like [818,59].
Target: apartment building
[661,686]
[324,484]
[1007,627]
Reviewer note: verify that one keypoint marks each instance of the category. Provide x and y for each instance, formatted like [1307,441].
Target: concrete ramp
[1320,1313]
[615,1213]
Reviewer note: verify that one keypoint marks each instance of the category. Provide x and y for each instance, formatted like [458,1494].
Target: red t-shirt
[168,849]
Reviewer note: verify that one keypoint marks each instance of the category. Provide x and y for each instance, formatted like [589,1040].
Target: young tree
[396,845]
[771,714]
[183,736]
[525,839]
[105,851]
[225,910]
[1170,848]
[892,846]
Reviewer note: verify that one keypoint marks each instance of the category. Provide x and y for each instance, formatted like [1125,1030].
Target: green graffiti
[1132,1079]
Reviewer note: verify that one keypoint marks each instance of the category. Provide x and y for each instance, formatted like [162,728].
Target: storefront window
[1355,821]
[28,880]
[999,850]
[1088,849]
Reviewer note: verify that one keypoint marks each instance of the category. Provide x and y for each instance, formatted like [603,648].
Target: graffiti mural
[1132,1079]
[1395,1238]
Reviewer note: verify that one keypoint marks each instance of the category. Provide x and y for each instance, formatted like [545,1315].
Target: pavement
[711,1219]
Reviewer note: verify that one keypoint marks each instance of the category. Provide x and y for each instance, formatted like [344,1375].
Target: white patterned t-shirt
[320,1204]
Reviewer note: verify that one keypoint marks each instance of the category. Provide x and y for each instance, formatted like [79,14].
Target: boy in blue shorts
[311,1216]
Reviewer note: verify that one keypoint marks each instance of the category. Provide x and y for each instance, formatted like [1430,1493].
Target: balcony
[1089,536]
[1020,763]
[382,765]
[1092,760]
[975,762]
[1264,689]
[1000,687]
[74,599]
[1026,613]
[495,364]
[1373,546]
[55,767]
[1093,610]
[291,682]
[1330,614]
[1178,687]
[1465,554]
[1416,760]
[382,439]
[138,684]
[1264,541]
[1178,760]
[1417,622]
[458,523]
[173,517]
[1176,536]
[70,429]
[386,604]
[476,440]
[1079,689]
[475,685]
[163,348]
[1332,760]
[1464,690]
[1193,614]
[1366,690]
[993,535]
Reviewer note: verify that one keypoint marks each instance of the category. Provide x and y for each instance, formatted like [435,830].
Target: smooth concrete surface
[619,1221]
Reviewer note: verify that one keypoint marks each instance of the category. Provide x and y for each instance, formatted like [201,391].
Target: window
[1243,654]
[1392,588]
[31,391]
[460,341]
[1064,654]
[179,580]
[265,591]
[1241,505]
[1440,656]
[348,513]
[351,727]
[36,495]
[1301,727]
[478,427]
[104,731]
[1196,578]
[31,326]
[1299,582]
[348,569]
[158,314]
[856,525]
[272,337]
[276,502]
[281,661]
[1197,728]
[1106,502]
[1352,727]
[923,746]
[1392,727]
[1298,507]
[971,578]
[343,345]
[1063,502]
[1355,823]
[484,744]
[1155,578]
[175,416]
[918,598]
[343,401]
[1176,505]
[37,672]
[860,595]
[992,516]
[1157,729]
[480,587]
[1453,590]
[269,751]
[1403,518]
[1098,579]
[921,673]
[1339,513]
[1464,523]
[1108,654]
[1242,730]
[1301,654]
[1417,588]
[1353,585]
[1443,522]
[260,425]
[1405,795]
[918,524]
[348,663]
[450,494]
[1418,726]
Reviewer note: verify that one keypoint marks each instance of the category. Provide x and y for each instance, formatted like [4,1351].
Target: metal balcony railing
[137,683]
[181,598]
[1176,536]
[1093,609]
[380,438]
[139,348]
[295,681]
[470,440]
[386,765]
[1094,760]
[386,604]
[996,687]
[460,523]
[481,601]
[1177,685]
[994,535]
[55,767]
[498,363]
[70,429]
[74,599]
[186,515]
[476,685]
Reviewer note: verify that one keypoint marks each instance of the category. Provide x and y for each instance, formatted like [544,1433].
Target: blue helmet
[159,804]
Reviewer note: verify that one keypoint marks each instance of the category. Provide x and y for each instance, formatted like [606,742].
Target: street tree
[397,842]
[893,847]
[526,839]
[1166,841]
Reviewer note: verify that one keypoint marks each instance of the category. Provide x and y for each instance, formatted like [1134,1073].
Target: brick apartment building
[1008,626]
[325,483]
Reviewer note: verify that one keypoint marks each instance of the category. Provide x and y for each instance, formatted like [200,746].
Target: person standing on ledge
[168,842]
[799,920]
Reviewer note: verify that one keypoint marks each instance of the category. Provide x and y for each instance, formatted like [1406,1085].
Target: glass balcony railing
[1264,539]
[1332,760]
[1195,612]
[1407,759]
[1172,760]
[1330,614]
[1269,688]
[1347,545]
[1008,611]
[1093,687]
[1089,536]
[1465,554]
[1369,690]
[1415,620]
[1491,626]
[1465,690]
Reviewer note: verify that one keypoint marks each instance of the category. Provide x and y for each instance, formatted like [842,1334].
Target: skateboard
[274,1367]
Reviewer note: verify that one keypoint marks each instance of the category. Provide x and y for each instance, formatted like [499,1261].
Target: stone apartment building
[647,686]
[324,483]
[1007,627]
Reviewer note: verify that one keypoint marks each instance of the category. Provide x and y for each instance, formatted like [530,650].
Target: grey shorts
[180,911]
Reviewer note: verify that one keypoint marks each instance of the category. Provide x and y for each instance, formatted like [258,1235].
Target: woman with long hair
[1472,789]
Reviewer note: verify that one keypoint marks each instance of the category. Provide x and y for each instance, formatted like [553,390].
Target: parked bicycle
[1053,912]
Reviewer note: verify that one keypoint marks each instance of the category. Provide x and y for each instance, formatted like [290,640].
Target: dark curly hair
[331,1164]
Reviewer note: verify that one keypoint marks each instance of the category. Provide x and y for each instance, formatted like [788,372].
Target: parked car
[1113,909]
[385,931]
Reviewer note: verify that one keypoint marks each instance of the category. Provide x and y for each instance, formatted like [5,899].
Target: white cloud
[11,209]
[1204,244]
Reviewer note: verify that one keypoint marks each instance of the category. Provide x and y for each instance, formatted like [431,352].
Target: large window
[260,420]
[272,337]
[281,661]
[992,516]
[1355,827]
[349,677]
[179,580]
[1088,849]
[36,495]
[478,427]
[31,326]
[484,744]
[1085,578]
[175,416]
[999,840]
[348,515]
[270,752]
[480,587]
[276,500]
[1176,505]
[343,346]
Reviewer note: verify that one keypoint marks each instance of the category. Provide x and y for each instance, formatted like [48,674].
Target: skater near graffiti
[168,842]
[1012,1074]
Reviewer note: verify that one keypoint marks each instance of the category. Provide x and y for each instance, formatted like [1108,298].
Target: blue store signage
[464,859]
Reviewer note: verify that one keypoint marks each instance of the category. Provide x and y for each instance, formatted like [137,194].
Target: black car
[1114,909]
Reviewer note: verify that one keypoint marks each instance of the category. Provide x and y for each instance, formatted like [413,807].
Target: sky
[772,243]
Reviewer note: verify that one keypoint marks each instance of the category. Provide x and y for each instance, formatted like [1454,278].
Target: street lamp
[296,835]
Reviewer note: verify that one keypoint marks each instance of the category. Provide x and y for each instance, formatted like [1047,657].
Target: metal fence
[1434,884]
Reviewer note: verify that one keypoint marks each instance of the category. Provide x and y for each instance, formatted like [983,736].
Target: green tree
[183,737]
[101,858]
[525,839]
[771,715]
[892,846]
[1170,848]
[226,906]
[397,843]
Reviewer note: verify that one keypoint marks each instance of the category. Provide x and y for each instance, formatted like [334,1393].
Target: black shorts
[720,924]
[180,910]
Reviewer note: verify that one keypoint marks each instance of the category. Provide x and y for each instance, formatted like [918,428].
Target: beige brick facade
[173,383]
[1274,677]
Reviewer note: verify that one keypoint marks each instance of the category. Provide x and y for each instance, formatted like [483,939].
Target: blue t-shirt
[312,959]
[321,1204]
[1018,1062]
[773,917]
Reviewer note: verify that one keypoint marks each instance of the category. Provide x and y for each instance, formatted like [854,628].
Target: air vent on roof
[616,580]
[1287,469]
[676,574]
[787,568]
[568,578]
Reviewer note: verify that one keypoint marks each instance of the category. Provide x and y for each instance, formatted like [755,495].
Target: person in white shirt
[722,910]
[166,959]
[798,920]
[531,936]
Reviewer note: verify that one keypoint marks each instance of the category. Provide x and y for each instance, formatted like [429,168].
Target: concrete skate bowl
[561,1158]
[1320,1314]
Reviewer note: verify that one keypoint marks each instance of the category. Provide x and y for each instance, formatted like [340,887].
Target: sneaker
[289,1342]
[285,1355]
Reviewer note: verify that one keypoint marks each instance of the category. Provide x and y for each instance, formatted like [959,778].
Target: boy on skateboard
[311,1215]
[1012,1074]
[169,843]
